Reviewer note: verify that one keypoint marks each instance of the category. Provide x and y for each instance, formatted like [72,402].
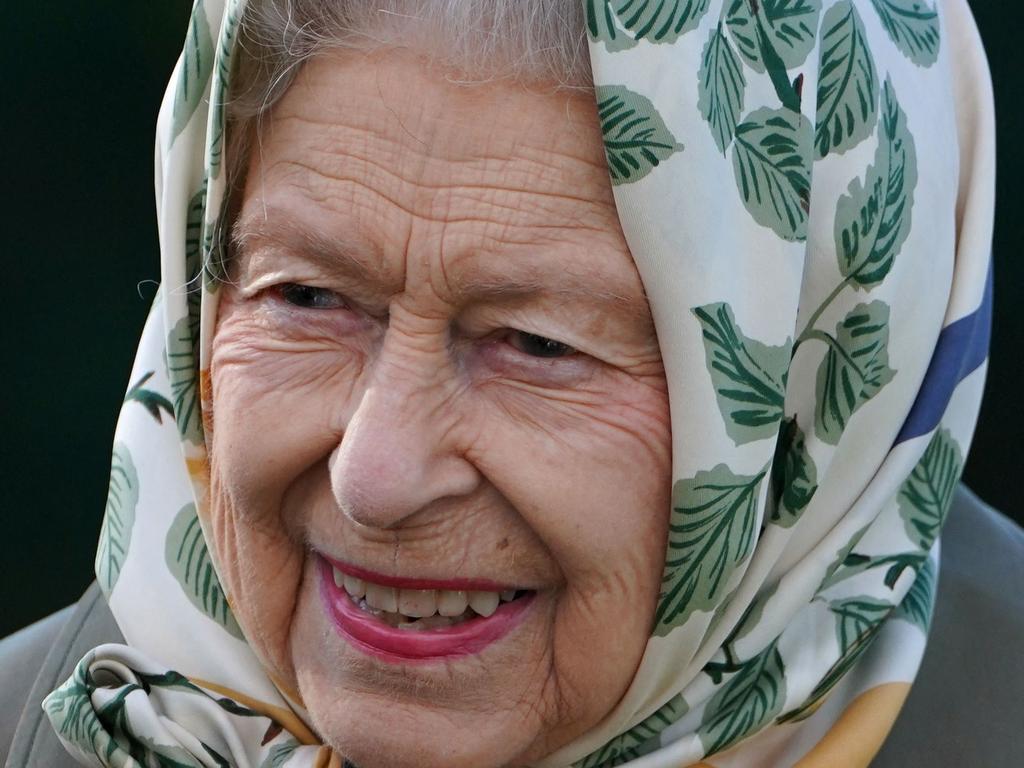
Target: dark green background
[82,84]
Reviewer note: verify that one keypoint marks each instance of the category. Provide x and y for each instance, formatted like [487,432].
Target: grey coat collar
[89,623]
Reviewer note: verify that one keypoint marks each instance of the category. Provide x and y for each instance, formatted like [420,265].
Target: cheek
[589,469]
[617,466]
[268,436]
[591,476]
[279,404]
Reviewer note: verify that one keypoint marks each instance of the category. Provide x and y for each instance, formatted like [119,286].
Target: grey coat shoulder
[36,660]
[965,708]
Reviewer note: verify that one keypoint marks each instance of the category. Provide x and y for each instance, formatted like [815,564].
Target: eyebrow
[333,253]
[352,258]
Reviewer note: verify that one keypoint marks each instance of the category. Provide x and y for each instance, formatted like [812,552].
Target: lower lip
[373,636]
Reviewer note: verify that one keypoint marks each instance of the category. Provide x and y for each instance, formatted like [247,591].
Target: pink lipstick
[366,629]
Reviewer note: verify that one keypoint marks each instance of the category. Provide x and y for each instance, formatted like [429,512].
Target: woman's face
[435,370]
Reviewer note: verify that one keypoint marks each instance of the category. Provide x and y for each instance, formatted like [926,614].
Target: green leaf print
[219,91]
[856,617]
[118,518]
[854,369]
[913,26]
[926,494]
[113,714]
[194,254]
[659,21]
[839,562]
[189,562]
[635,137]
[749,377]
[150,752]
[196,66]
[71,712]
[919,601]
[750,619]
[149,399]
[855,563]
[752,697]
[279,755]
[183,341]
[172,680]
[184,375]
[720,87]
[218,759]
[794,474]
[145,750]
[639,740]
[836,672]
[773,29]
[711,532]
[601,25]
[847,82]
[873,220]
[771,160]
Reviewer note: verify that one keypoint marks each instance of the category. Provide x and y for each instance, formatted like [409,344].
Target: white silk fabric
[806,187]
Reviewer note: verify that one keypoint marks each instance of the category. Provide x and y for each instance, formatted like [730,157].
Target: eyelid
[513,333]
[340,301]
[507,362]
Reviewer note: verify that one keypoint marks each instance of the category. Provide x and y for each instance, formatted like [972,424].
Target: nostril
[374,489]
[396,458]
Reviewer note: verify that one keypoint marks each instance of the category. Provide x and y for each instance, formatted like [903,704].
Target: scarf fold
[807,188]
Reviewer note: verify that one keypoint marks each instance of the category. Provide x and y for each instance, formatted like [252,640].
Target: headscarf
[806,187]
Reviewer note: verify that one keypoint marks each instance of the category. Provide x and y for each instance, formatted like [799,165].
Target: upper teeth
[420,603]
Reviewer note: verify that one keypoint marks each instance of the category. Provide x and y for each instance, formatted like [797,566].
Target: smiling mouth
[402,619]
[419,609]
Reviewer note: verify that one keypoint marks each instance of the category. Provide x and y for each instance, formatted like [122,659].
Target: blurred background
[82,85]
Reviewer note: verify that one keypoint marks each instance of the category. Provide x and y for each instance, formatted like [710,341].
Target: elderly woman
[435,274]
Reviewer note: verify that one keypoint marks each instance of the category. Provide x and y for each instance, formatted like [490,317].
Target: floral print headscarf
[806,187]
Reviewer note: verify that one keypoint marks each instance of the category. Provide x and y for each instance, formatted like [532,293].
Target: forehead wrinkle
[533,174]
[515,190]
[441,111]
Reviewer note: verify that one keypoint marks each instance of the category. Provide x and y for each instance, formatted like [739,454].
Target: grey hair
[534,42]
[478,41]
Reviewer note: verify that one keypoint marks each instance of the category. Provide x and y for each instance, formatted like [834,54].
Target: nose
[399,453]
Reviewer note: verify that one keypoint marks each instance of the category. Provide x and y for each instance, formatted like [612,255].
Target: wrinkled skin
[398,415]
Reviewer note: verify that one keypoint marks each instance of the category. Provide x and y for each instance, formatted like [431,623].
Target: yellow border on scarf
[325,756]
[284,717]
[857,735]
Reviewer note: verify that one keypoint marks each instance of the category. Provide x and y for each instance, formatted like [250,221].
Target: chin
[477,711]
[378,731]
[382,735]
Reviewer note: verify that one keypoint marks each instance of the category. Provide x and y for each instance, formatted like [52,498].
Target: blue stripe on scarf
[961,348]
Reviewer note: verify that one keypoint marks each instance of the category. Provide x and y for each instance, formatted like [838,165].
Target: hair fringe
[542,42]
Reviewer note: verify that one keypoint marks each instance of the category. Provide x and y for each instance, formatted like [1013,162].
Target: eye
[539,346]
[310,296]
